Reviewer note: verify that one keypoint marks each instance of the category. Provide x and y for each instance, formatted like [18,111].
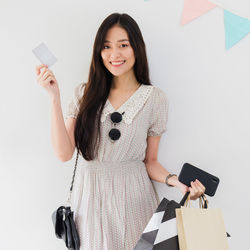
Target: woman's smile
[117,63]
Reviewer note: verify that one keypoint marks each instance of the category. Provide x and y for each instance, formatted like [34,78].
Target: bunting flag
[238,7]
[195,8]
[236,28]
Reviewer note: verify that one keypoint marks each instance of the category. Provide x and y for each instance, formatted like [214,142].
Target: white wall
[207,86]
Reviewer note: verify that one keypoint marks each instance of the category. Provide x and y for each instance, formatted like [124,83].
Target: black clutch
[63,221]
[190,173]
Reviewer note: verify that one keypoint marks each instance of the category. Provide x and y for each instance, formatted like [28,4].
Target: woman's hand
[47,80]
[176,183]
[196,189]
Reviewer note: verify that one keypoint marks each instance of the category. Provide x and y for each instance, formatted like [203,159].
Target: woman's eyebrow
[121,40]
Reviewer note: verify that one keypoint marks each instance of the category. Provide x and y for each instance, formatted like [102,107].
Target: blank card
[44,55]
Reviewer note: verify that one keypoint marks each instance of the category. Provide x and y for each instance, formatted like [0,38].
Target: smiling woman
[115,120]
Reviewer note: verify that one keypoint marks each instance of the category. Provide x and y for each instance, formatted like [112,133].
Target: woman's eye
[123,46]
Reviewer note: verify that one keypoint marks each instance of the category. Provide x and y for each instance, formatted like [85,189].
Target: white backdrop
[207,87]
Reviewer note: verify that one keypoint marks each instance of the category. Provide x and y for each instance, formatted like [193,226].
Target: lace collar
[131,106]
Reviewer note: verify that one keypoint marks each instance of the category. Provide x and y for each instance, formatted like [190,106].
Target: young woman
[115,120]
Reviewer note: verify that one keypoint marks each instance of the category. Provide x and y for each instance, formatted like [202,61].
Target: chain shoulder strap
[73,178]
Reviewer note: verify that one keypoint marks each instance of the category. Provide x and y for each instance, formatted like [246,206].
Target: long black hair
[87,129]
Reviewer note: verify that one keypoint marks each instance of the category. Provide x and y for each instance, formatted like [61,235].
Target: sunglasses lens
[116,117]
[114,134]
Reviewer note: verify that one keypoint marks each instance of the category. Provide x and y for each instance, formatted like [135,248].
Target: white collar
[131,106]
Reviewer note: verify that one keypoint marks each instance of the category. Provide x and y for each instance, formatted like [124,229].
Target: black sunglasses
[115,133]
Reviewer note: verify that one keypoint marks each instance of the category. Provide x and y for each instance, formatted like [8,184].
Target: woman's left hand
[196,189]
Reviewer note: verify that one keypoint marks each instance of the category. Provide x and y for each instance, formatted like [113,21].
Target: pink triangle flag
[195,8]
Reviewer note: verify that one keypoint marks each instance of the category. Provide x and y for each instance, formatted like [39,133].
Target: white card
[44,55]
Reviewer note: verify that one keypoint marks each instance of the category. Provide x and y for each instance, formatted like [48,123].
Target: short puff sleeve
[73,106]
[158,122]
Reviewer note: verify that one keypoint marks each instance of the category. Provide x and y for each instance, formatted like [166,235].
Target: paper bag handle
[202,200]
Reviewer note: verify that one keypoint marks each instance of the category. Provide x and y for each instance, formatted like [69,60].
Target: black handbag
[63,221]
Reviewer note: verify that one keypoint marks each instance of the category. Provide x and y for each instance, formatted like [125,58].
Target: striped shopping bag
[161,230]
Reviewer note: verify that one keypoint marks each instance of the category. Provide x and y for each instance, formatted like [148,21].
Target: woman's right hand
[47,80]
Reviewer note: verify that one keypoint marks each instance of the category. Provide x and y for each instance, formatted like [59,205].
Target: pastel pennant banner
[195,8]
[238,7]
[236,28]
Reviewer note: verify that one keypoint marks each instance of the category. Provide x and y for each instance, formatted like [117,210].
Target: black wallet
[190,173]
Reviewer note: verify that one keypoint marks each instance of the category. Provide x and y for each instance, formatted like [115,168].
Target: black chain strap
[73,177]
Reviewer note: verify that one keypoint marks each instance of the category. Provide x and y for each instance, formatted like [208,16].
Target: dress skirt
[112,203]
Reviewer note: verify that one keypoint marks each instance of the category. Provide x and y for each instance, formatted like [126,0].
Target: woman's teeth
[117,63]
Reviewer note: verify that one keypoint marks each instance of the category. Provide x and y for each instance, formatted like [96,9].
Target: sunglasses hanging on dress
[115,133]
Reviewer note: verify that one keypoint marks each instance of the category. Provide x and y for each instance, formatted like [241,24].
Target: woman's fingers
[44,75]
[39,67]
[198,186]
[42,72]
[196,190]
[195,186]
[49,80]
[203,188]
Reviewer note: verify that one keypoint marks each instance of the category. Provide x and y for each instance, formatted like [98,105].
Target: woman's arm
[62,136]
[158,173]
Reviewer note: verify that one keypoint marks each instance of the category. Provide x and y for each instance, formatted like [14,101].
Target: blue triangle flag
[236,28]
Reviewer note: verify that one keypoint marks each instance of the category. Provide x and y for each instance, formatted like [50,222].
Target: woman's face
[117,53]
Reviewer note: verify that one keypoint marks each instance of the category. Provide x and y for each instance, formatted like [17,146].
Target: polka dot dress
[113,197]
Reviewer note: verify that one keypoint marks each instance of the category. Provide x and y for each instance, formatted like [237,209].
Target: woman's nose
[114,53]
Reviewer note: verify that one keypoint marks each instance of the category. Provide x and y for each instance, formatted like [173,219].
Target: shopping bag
[161,231]
[201,228]
[167,237]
